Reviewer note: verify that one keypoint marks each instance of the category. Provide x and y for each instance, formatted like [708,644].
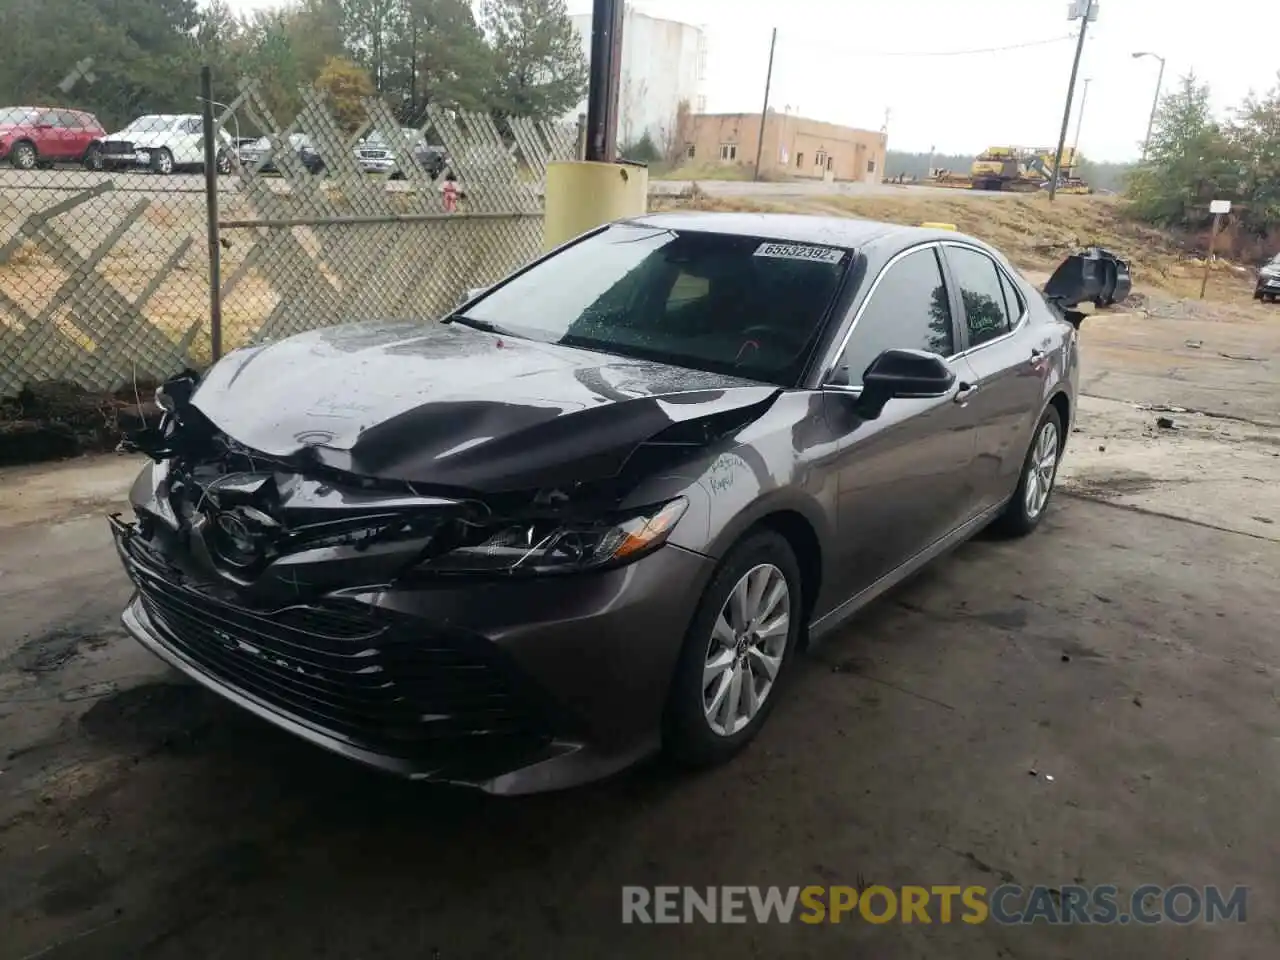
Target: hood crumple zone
[453,407]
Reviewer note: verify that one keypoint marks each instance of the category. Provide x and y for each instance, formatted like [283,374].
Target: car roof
[849,232]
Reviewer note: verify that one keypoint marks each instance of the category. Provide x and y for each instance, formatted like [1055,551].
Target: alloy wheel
[746,648]
[24,157]
[1042,469]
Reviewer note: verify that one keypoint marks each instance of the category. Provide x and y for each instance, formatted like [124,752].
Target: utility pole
[1086,10]
[1084,95]
[604,81]
[764,111]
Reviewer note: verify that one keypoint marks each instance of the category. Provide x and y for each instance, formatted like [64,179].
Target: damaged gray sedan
[598,509]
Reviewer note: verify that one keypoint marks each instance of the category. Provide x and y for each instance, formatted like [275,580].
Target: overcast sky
[832,63]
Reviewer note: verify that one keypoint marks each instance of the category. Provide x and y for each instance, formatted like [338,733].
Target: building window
[820,159]
[690,151]
[830,162]
[799,159]
[871,166]
[728,151]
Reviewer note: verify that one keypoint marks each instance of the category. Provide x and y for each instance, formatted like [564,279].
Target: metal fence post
[211,212]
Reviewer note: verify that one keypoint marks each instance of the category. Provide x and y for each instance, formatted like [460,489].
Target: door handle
[966,391]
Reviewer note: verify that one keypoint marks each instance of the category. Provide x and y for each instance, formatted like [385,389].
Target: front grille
[118,147]
[397,688]
[375,155]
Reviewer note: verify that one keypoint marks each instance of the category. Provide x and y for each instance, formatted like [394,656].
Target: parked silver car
[376,154]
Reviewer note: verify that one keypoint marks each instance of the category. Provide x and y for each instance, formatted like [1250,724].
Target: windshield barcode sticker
[790,251]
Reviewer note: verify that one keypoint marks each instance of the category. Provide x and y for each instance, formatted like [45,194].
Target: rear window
[735,304]
[16,115]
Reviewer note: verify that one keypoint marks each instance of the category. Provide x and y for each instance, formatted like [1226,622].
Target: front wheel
[1039,471]
[162,162]
[223,163]
[738,646]
[93,158]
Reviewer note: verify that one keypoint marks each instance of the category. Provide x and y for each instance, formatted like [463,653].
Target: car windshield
[732,304]
[148,124]
[16,115]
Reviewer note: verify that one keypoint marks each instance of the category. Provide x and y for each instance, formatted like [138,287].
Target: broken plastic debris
[1049,777]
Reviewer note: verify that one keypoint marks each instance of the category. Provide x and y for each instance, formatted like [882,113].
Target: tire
[23,156]
[162,161]
[222,163]
[93,158]
[1020,517]
[689,737]
[1257,294]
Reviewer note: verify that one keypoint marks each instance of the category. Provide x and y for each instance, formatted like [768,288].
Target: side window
[909,309]
[69,120]
[982,293]
[49,118]
[1012,298]
[195,125]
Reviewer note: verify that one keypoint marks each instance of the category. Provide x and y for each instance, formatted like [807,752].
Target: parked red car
[33,137]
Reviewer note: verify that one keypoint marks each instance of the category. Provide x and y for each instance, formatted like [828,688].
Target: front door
[188,142]
[1010,366]
[905,478]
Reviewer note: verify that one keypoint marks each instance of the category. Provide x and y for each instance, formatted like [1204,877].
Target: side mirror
[904,374]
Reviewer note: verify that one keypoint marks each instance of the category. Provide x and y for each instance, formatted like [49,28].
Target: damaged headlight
[534,547]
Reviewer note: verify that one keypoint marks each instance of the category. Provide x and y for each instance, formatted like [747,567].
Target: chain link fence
[105,249]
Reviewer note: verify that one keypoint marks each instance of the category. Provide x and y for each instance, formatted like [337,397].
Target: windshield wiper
[477,324]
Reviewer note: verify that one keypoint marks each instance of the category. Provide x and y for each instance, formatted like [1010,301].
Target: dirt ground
[1127,650]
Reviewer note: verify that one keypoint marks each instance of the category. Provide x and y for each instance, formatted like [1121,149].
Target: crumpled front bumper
[513,686]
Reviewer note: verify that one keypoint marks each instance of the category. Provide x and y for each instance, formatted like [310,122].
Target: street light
[1146,144]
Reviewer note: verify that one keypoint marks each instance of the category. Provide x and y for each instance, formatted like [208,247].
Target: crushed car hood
[448,405]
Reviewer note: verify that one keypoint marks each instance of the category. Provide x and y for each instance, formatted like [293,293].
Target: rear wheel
[1039,471]
[736,652]
[23,156]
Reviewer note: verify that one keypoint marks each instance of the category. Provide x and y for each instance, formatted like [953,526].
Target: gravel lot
[1127,650]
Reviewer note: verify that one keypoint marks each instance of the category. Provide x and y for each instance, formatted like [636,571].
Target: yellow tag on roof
[939,226]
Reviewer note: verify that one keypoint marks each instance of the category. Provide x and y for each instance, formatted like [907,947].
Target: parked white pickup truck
[165,143]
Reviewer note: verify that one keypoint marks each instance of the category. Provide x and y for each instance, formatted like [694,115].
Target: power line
[934,53]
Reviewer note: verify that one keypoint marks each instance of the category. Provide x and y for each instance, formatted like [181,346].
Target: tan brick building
[793,146]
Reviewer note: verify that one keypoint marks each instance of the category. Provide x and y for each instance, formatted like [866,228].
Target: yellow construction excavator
[1016,169]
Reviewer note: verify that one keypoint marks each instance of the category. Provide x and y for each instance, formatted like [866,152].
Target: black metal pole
[1071,89]
[604,80]
[764,111]
[211,211]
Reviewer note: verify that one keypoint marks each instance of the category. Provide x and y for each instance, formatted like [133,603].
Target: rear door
[905,478]
[1010,364]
